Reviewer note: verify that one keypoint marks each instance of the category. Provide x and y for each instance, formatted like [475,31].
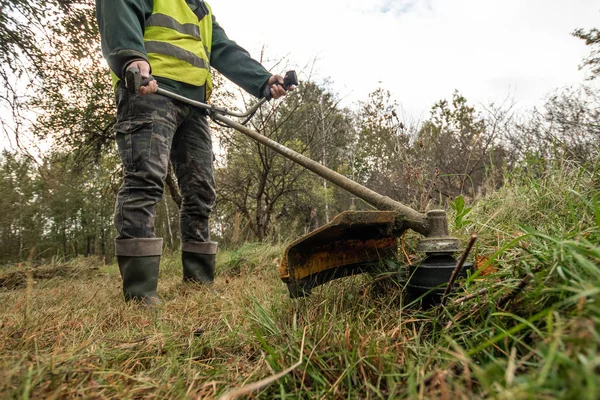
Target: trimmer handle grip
[134,80]
[290,79]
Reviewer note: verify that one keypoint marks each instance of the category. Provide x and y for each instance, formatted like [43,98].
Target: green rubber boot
[198,268]
[140,278]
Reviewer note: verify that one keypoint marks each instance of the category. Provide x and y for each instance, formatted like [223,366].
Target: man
[178,41]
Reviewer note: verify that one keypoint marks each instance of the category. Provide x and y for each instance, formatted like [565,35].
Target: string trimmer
[354,241]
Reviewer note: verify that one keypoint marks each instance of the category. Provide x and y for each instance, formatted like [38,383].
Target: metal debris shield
[353,242]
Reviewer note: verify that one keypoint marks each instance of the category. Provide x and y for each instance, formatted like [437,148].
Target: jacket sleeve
[236,64]
[121,24]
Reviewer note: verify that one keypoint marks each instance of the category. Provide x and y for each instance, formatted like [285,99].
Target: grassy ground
[526,326]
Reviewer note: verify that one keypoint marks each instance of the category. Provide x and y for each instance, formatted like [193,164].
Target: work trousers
[150,130]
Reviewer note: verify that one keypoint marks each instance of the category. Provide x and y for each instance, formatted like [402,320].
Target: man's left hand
[277,91]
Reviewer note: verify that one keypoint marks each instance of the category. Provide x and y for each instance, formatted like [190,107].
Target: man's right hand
[144,68]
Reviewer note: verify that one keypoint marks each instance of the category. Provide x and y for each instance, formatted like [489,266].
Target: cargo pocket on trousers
[134,140]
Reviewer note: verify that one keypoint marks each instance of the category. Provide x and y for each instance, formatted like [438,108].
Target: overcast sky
[421,50]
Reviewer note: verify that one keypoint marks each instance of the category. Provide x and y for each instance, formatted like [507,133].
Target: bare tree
[264,187]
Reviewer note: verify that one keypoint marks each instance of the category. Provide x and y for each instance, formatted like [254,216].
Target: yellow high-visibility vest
[178,44]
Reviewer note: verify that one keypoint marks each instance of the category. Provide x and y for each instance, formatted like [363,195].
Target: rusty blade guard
[353,242]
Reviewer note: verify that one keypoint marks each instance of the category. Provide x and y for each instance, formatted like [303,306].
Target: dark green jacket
[121,24]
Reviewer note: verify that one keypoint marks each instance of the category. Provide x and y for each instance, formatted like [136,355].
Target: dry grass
[74,336]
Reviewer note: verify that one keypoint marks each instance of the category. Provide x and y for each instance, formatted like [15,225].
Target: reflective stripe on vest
[168,22]
[168,49]
[178,45]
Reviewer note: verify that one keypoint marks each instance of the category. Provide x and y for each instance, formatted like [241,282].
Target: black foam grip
[290,79]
